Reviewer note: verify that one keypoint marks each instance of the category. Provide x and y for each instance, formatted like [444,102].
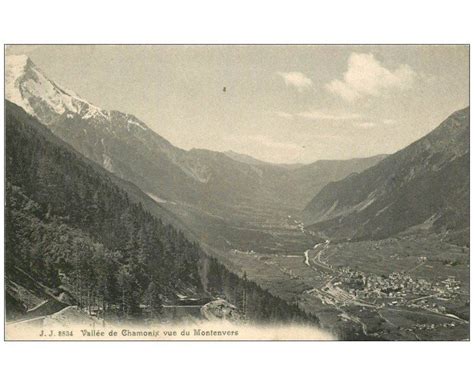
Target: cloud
[283,114]
[296,79]
[272,144]
[321,115]
[366,76]
[366,125]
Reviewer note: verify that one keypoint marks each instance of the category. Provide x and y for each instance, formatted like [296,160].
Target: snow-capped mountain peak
[28,87]
[15,68]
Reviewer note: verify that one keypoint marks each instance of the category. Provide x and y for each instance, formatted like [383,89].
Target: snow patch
[15,66]
[197,171]
[366,204]
[134,123]
[383,210]
[107,163]
[306,257]
[157,199]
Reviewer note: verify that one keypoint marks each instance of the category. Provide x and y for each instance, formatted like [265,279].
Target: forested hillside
[253,302]
[70,229]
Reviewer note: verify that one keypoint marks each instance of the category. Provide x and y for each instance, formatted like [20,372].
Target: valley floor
[413,287]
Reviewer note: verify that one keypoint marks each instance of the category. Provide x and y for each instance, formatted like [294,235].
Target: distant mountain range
[241,157]
[423,186]
[427,183]
[218,185]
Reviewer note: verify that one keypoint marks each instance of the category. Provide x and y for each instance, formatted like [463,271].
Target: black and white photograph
[237,192]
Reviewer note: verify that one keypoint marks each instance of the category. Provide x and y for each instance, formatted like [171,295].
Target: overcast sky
[282,103]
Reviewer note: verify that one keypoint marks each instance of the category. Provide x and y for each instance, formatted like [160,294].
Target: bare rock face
[220,309]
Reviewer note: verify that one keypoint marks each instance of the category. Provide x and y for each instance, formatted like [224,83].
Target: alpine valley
[106,215]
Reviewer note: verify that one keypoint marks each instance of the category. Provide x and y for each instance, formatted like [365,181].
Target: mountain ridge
[429,179]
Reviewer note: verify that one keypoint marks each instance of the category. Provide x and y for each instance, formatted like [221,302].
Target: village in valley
[386,287]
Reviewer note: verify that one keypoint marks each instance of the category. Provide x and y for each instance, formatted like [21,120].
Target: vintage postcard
[237,192]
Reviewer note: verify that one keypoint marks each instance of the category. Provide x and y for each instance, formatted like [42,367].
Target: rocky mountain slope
[425,185]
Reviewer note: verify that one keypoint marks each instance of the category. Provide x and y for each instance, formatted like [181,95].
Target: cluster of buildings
[397,288]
